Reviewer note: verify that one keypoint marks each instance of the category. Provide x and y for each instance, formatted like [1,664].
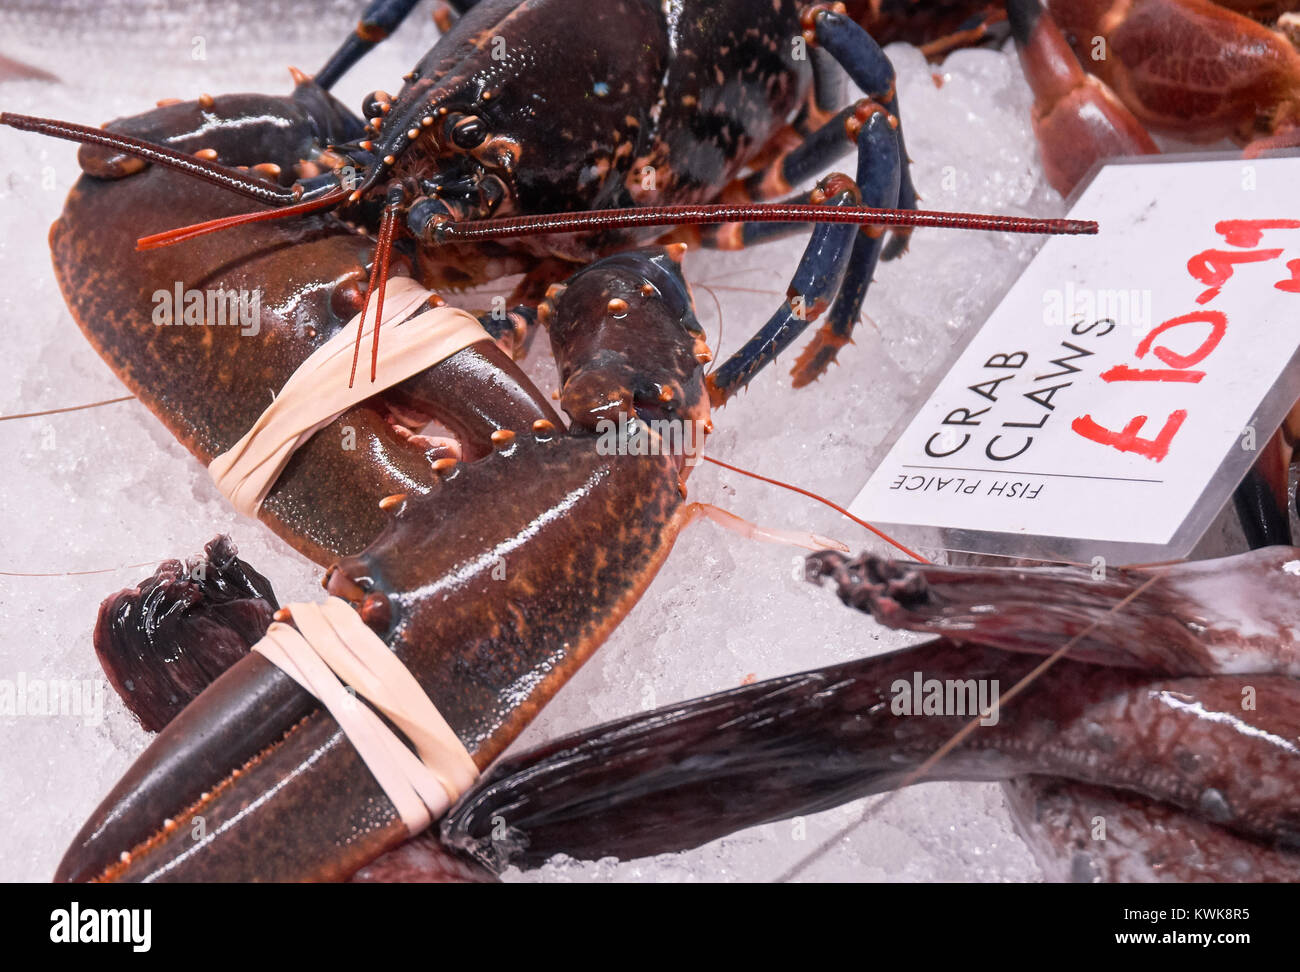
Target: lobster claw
[291,133]
[627,343]
[304,277]
[492,580]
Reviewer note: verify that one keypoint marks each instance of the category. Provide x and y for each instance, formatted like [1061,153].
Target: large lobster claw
[208,383]
[492,581]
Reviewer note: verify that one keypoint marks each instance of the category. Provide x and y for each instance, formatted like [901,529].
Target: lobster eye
[469,132]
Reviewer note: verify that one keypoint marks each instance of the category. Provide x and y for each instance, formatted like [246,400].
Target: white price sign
[1119,392]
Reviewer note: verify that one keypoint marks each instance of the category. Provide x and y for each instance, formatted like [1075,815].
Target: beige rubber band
[318,393]
[332,642]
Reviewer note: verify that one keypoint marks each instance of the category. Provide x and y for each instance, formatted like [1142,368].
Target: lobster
[1106,76]
[252,757]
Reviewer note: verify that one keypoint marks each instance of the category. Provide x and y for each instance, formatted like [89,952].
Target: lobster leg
[883,181]
[855,255]
[827,93]
[879,175]
[740,236]
[843,317]
[859,55]
[984,29]
[848,46]
[815,280]
[379,20]
[820,149]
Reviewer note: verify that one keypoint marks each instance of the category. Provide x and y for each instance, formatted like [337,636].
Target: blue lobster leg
[379,20]
[816,280]
[871,71]
[834,263]
[880,185]
[819,150]
[827,92]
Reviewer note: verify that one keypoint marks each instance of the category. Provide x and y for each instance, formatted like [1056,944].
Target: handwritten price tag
[1122,388]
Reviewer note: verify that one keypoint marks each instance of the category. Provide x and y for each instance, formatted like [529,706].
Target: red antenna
[469,231]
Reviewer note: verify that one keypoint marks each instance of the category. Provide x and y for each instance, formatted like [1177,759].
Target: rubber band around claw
[330,642]
[317,392]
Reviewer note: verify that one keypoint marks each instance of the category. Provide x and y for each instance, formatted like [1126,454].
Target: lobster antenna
[218,175]
[66,408]
[181,233]
[378,279]
[468,231]
[820,499]
[472,230]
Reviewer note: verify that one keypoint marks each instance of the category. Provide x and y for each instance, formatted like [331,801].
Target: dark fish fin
[1261,499]
[682,775]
